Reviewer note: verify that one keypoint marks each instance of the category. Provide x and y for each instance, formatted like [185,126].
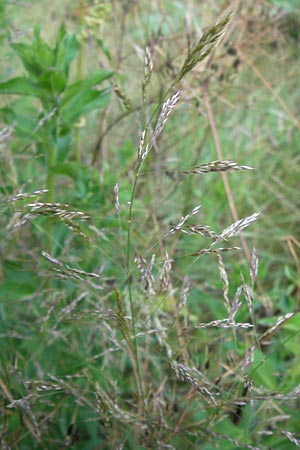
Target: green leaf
[21,86]
[44,54]
[79,99]
[70,169]
[53,81]
[82,103]
[66,52]
[61,33]
[36,57]
[28,57]
[91,80]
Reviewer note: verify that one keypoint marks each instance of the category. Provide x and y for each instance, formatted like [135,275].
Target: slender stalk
[133,325]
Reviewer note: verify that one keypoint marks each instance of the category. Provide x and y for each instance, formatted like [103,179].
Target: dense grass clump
[150,276]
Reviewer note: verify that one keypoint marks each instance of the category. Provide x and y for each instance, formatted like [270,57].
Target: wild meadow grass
[150,272]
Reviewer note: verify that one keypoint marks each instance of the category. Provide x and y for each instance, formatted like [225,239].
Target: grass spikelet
[122,96]
[200,230]
[64,271]
[24,405]
[164,276]
[237,227]
[207,43]
[147,73]
[116,196]
[109,407]
[217,166]
[183,373]
[248,297]
[264,338]
[222,323]
[235,305]
[67,311]
[141,150]
[22,196]
[184,293]
[62,211]
[161,336]
[225,283]
[291,437]
[182,221]
[207,251]
[145,269]
[253,266]
[165,112]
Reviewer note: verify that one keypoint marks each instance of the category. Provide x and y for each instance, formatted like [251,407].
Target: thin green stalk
[139,165]
[130,212]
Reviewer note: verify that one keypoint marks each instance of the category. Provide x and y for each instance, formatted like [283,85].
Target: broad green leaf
[53,81]
[21,86]
[44,54]
[28,57]
[69,169]
[35,57]
[66,52]
[84,102]
[58,81]
[91,80]
[61,33]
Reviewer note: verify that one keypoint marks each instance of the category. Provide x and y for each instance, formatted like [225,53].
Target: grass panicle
[207,43]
